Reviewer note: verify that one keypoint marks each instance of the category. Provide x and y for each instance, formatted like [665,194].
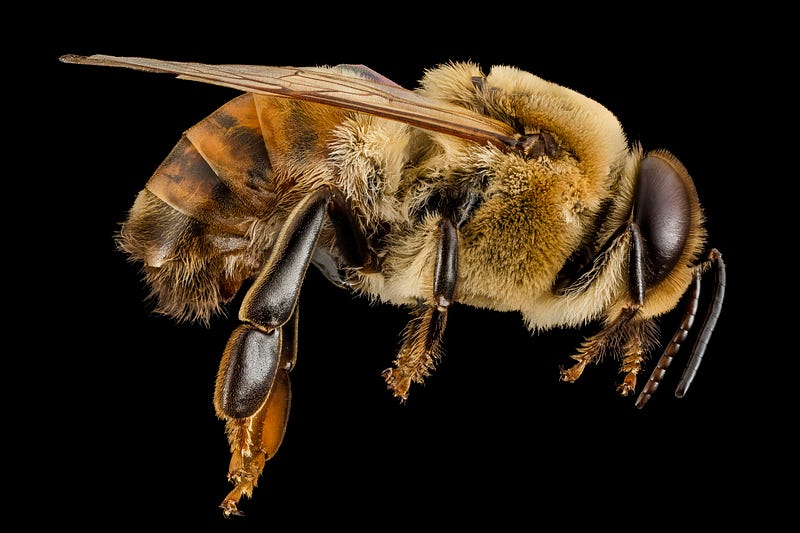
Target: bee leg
[252,389]
[620,328]
[351,243]
[255,439]
[351,251]
[638,339]
[422,338]
[593,348]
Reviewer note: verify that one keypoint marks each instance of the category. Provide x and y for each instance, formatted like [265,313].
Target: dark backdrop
[493,439]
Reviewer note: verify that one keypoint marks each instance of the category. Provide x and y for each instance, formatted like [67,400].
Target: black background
[493,438]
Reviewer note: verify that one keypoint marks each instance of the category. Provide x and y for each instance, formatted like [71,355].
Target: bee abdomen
[192,226]
[219,171]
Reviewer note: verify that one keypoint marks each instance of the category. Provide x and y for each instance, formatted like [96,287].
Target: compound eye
[663,213]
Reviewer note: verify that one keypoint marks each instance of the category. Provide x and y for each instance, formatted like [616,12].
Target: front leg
[623,329]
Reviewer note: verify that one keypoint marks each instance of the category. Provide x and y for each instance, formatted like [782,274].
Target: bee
[500,191]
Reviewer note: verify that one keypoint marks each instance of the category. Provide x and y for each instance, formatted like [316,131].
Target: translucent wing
[375,96]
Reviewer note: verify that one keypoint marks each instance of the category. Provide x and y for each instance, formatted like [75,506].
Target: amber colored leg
[422,341]
[595,346]
[254,441]
[420,352]
[637,345]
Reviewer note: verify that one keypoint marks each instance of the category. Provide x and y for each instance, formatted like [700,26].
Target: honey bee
[500,191]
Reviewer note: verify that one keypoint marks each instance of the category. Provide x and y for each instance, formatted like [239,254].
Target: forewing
[373,96]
